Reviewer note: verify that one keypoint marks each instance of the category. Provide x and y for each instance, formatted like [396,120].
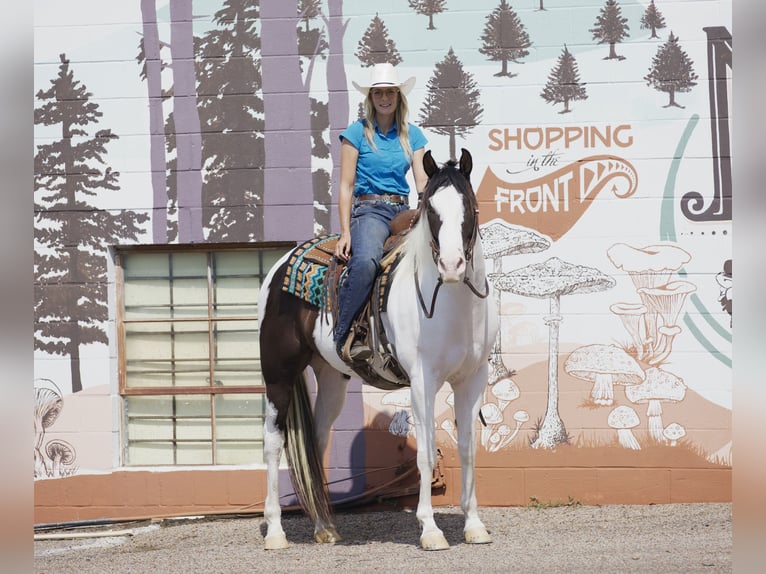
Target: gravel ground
[670,538]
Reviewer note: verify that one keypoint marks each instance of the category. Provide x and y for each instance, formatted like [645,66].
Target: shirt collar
[393,128]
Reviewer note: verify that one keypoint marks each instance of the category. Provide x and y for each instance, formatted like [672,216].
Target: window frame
[211,390]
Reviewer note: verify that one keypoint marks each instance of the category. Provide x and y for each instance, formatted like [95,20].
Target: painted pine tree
[376,47]
[320,177]
[71,232]
[311,41]
[231,115]
[288,194]
[451,105]
[672,71]
[652,19]
[504,38]
[564,83]
[610,28]
[188,164]
[152,65]
[337,85]
[428,8]
[313,45]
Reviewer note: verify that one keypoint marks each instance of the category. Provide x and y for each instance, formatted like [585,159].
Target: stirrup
[354,350]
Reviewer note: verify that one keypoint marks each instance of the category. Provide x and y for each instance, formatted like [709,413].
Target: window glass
[189,356]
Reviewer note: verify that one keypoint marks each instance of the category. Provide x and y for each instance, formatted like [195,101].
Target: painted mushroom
[496,437]
[492,416]
[604,366]
[48,406]
[62,454]
[632,317]
[673,433]
[498,239]
[624,419]
[505,391]
[664,304]
[649,266]
[658,387]
[550,280]
[520,417]
[400,422]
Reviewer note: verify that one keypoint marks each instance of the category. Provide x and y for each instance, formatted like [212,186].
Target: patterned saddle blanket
[308,272]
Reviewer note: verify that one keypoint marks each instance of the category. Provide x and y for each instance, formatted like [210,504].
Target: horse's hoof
[477,536]
[276,542]
[327,536]
[434,541]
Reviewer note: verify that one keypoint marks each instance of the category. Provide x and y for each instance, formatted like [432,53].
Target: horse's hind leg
[331,396]
[273,443]
[468,396]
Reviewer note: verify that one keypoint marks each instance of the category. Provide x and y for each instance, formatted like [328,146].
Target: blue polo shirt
[384,170]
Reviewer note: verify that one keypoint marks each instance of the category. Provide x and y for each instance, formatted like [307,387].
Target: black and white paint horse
[442,326]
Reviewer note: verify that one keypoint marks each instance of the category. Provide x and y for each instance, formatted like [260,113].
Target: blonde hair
[402,127]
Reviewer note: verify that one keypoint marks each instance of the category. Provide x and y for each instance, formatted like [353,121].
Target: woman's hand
[343,247]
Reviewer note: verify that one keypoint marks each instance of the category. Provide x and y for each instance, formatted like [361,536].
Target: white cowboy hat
[384,75]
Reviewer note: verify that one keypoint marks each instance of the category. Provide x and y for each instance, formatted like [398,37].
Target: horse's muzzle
[451,270]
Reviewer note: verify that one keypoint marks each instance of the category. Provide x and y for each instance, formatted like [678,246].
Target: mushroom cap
[505,390]
[668,295]
[674,431]
[499,238]
[622,417]
[48,401]
[658,258]
[659,386]
[400,398]
[59,448]
[628,309]
[491,413]
[553,277]
[521,416]
[669,330]
[504,430]
[591,360]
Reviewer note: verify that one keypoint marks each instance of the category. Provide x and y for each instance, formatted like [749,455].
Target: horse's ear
[429,165]
[466,162]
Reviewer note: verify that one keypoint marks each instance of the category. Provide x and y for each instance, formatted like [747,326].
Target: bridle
[468,246]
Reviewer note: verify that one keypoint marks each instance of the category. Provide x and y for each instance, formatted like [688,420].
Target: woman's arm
[348,157]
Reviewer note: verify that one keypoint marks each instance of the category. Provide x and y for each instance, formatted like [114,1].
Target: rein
[439,283]
[469,258]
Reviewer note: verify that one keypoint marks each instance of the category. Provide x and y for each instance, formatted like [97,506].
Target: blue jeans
[370,222]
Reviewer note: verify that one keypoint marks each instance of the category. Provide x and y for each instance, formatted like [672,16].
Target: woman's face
[385,100]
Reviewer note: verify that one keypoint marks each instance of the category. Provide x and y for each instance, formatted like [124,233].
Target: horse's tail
[303,456]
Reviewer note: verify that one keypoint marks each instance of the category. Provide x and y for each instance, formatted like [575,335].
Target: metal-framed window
[189,364]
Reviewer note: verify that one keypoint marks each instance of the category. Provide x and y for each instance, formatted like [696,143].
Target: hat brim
[405,87]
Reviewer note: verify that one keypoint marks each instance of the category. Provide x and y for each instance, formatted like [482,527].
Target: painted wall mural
[602,165]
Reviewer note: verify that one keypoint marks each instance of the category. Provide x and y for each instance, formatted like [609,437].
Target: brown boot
[354,350]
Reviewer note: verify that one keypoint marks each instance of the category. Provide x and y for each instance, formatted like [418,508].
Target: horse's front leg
[273,443]
[331,396]
[423,397]
[468,397]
